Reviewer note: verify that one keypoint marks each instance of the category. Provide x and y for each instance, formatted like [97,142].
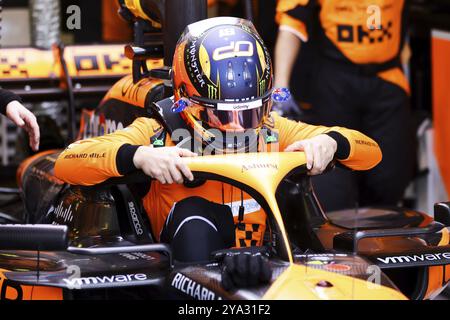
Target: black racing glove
[245,268]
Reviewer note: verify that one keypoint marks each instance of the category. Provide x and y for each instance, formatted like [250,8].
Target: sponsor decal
[239,106]
[246,167]
[108,63]
[337,267]
[22,62]
[97,125]
[136,223]
[193,63]
[415,258]
[262,84]
[367,143]
[192,288]
[79,282]
[362,34]
[324,256]
[158,140]
[64,214]
[93,155]
[212,91]
[158,143]
[136,256]
[271,139]
[250,205]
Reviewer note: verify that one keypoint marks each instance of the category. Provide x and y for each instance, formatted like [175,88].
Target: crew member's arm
[292,16]
[11,106]
[323,144]
[287,48]
[92,161]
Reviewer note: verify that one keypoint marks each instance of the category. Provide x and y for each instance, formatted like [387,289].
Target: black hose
[248,9]
[71,120]
[178,14]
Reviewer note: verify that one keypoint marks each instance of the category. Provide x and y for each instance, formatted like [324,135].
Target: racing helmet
[222,80]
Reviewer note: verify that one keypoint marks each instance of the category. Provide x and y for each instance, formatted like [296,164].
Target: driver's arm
[92,161]
[354,149]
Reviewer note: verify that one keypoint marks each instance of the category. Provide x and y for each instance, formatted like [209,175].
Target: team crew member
[210,83]
[358,83]
[11,106]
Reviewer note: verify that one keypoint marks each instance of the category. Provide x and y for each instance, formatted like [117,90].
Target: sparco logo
[78,282]
[134,218]
[415,258]
[192,288]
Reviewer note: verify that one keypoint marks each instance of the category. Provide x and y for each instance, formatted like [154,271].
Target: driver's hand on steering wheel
[319,152]
[164,164]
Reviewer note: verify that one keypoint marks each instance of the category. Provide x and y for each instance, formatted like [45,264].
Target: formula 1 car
[76,242]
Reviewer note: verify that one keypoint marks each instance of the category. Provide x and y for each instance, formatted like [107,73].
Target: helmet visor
[231,115]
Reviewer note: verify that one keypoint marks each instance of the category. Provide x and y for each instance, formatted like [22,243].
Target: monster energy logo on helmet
[262,86]
[212,92]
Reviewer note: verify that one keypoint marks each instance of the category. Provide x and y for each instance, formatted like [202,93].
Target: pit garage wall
[440,57]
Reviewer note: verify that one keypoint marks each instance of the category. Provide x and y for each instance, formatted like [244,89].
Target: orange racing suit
[92,161]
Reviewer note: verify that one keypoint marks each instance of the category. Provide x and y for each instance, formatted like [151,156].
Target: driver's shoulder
[150,125]
[275,122]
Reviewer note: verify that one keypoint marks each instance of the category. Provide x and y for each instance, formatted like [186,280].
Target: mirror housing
[442,213]
[33,237]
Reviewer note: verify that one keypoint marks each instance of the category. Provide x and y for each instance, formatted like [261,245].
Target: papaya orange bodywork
[14,291]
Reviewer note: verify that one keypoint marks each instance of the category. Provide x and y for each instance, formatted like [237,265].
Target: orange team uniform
[360,31]
[91,161]
[357,82]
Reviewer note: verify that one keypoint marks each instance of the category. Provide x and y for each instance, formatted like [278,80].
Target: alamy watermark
[374,20]
[73,21]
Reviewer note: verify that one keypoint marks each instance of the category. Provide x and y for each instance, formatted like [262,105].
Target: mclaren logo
[415,258]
